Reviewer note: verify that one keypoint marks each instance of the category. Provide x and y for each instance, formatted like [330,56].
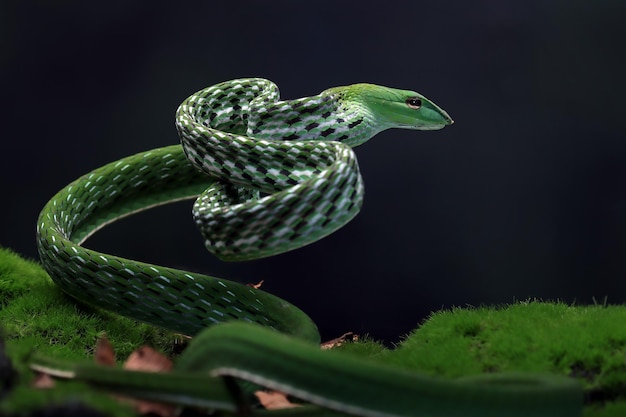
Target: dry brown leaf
[143,359]
[274,400]
[104,354]
[147,359]
[257,285]
[43,381]
[344,338]
[152,408]
[155,409]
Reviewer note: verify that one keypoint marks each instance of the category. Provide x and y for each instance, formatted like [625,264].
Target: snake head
[403,109]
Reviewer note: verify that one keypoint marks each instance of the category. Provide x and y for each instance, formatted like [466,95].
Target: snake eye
[414,103]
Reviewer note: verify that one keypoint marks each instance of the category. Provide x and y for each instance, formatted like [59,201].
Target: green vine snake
[269,176]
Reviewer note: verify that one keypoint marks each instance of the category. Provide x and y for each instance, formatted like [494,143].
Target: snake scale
[269,176]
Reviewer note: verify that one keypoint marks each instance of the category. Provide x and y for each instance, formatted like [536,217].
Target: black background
[522,197]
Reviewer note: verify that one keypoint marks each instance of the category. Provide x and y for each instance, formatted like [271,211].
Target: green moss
[585,342]
[36,315]
[365,348]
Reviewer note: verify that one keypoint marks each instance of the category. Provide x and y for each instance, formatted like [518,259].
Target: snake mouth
[433,127]
[446,121]
[437,117]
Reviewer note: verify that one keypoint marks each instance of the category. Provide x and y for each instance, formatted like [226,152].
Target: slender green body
[330,380]
[271,176]
[178,300]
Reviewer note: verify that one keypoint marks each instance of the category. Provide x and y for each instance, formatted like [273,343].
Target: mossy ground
[36,315]
[586,342]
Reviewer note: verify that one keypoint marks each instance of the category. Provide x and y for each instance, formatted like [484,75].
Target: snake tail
[329,380]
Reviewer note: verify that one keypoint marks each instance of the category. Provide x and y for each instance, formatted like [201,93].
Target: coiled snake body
[271,176]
